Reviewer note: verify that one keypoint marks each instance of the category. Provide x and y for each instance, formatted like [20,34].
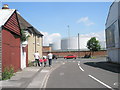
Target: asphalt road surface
[84,73]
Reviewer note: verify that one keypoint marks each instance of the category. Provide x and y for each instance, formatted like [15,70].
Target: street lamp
[68,37]
[78,44]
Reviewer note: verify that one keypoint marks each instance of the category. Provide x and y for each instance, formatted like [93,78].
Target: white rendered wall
[114,52]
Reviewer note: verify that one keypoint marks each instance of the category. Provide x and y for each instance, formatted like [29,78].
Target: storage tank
[72,43]
[56,45]
[64,44]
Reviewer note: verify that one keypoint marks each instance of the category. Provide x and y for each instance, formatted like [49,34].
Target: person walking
[50,56]
[41,62]
[37,57]
[45,61]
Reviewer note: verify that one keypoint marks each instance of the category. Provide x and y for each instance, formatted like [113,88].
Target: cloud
[50,38]
[99,35]
[86,21]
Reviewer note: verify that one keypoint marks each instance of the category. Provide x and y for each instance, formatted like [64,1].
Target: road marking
[116,84]
[81,68]
[63,63]
[101,82]
[44,83]
[61,74]
[44,71]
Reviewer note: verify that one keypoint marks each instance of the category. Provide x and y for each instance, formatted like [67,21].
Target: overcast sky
[52,18]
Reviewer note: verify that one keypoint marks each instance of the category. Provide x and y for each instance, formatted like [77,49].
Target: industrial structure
[74,44]
[113,32]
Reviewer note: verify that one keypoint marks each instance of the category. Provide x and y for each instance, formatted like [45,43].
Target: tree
[93,45]
[24,37]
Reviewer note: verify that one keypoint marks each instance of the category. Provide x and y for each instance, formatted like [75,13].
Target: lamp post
[78,44]
[68,38]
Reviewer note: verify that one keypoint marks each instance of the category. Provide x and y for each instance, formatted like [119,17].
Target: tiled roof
[27,26]
[5,15]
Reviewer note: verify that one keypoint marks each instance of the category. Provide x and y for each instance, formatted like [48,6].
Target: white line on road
[81,68]
[116,84]
[63,63]
[44,71]
[101,82]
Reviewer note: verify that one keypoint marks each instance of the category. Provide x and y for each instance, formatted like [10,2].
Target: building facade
[113,32]
[34,40]
[10,37]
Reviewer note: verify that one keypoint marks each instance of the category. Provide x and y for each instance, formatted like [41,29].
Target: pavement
[30,77]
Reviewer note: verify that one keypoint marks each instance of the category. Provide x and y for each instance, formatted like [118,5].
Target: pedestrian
[50,56]
[41,62]
[45,61]
[37,57]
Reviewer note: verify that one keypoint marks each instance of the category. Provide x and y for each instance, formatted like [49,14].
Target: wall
[11,43]
[113,33]
[80,54]
[46,48]
[31,46]
[39,45]
[10,50]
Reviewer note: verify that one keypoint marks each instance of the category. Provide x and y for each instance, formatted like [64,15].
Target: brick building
[35,38]
[10,37]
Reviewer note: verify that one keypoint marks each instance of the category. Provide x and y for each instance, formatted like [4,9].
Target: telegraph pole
[78,44]
[68,37]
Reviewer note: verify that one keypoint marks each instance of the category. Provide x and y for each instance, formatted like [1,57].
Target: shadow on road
[105,65]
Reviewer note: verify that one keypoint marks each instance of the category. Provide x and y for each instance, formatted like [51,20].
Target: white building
[113,32]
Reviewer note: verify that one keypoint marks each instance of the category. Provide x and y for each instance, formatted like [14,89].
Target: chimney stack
[5,6]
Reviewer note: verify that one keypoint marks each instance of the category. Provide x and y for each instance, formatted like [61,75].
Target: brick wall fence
[78,54]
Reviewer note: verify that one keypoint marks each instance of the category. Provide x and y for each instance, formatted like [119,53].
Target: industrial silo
[64,44]
[56,45]
[72,43]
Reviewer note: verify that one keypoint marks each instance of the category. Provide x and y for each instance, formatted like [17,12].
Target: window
[110,37]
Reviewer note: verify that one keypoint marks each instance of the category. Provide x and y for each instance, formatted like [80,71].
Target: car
[70,57]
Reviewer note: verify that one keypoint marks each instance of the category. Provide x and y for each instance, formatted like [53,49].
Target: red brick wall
[46,48]
[80,54]
[10,50]
[11,43]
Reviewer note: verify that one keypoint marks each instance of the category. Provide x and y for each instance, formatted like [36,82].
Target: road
[83,73]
